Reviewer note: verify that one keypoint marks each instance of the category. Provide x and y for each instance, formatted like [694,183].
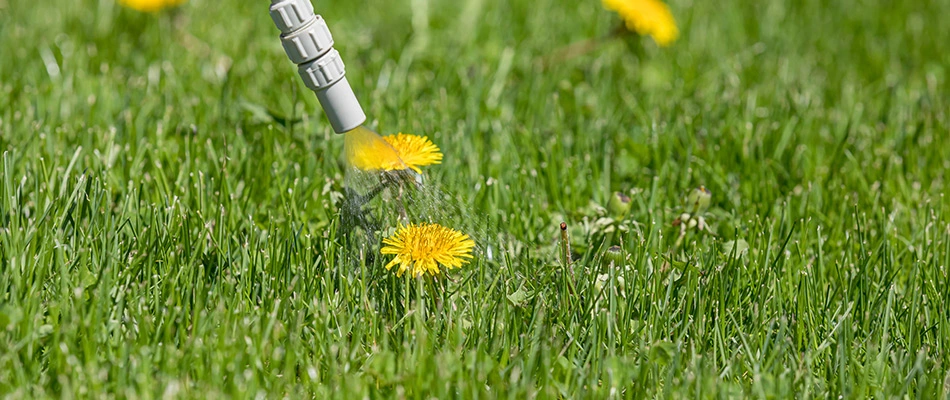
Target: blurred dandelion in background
[422,248]
[151,5]
[639,18]
[647,18]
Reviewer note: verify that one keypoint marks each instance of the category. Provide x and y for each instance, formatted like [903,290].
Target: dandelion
[150,5]
[646,17]
[421,248]
[367,152]
[414,151]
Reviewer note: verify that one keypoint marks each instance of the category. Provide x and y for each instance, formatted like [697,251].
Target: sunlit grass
[170,197]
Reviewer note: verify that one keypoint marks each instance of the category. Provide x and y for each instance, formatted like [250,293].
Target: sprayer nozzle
[309,44]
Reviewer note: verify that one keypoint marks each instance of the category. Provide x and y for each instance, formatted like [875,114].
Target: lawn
[171,197]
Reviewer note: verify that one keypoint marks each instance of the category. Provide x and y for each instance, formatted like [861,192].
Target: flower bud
[698,200]
[619,204]
[614,255]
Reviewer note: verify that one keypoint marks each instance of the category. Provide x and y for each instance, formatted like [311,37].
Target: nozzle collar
[291,15]
[308,43]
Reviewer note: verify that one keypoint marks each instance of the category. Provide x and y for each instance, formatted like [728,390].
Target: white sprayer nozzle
[309,44]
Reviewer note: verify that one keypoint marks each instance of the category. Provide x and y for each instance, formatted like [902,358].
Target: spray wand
[309,44]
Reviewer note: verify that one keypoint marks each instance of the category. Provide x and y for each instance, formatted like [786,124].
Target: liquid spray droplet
[367,151]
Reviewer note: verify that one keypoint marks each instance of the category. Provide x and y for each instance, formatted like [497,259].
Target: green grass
[169,203]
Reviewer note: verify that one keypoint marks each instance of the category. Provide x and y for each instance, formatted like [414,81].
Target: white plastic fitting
[309,44]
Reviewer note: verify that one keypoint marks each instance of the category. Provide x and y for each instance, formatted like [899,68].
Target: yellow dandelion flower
[421,248]
[414,151]
[366,151]
[150,5]
[647,17]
